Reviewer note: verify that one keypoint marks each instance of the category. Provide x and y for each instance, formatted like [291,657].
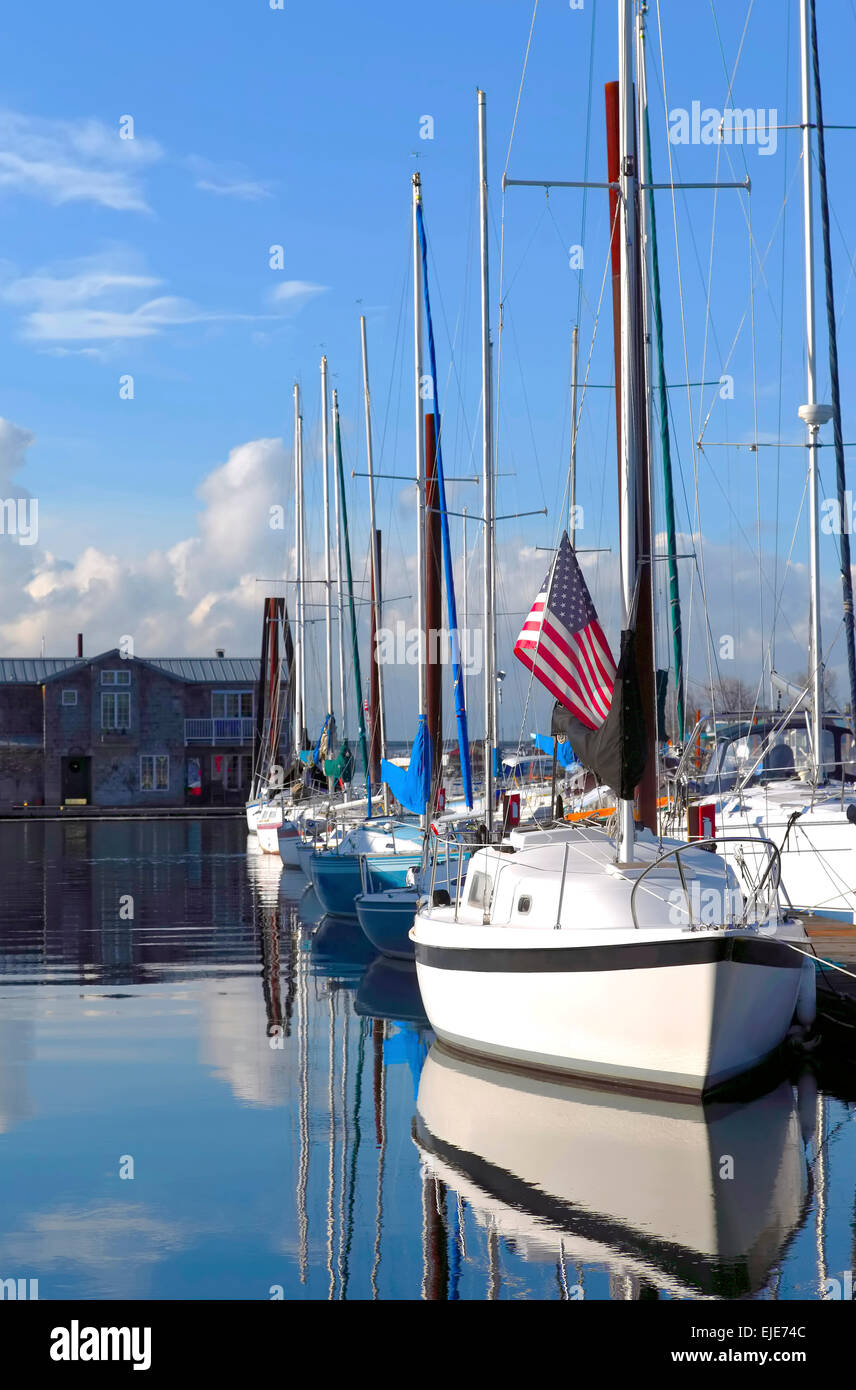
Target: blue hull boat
[386,919]
[338,878]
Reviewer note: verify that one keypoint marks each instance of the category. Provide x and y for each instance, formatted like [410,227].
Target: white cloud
[193,597]
[227,180]
[93,299]
[296,293]
[73,161]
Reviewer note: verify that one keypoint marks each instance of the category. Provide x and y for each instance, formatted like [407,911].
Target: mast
[377,716]
[629,456]
[832,334]
[346,547]
[302,547]
[298,616]
[572,519]
[649,231]
[420,450]
[807,412]
[433,600]
[466,595]
[341,616]
[328,590]
[487,465]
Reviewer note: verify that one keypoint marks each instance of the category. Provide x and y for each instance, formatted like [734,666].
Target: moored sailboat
[579,952]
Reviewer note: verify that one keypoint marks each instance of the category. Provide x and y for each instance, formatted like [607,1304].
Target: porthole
[524,903]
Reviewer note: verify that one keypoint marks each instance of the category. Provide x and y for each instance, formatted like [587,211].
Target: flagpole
[487,458]
[629,383]
[375,553]
[420,457]
[301,531]
[328,590]
[298,645]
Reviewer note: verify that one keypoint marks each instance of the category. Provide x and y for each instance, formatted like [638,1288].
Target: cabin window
[154,772]
[115,710]
[524,903]
[69,697]
[115,678]
[481,888]
[231,704]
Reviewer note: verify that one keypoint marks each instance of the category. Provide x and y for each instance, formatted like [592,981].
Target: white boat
[757,780]
[582,1177]
[558,958]
[270,812]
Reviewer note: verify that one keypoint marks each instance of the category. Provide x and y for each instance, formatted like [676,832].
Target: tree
[830,686]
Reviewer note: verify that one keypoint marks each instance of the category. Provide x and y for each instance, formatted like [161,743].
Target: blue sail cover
[317,756]
[411,786]
[454,635]
[565,755]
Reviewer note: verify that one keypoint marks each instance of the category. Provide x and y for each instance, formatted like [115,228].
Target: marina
[467,911]
[292,1122]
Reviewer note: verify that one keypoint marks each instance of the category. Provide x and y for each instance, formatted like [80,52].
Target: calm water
[170,1006]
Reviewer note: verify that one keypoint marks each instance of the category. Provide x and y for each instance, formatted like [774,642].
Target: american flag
[563,645]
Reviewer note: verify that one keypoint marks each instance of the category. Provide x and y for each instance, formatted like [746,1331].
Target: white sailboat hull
[267,833]
[680,1010]
[268,812]
[288,840]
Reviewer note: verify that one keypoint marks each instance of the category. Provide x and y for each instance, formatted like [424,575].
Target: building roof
[205,668]
[27,670]
[225,669]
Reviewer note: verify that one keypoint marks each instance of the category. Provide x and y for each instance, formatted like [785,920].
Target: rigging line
[529,246]
[757,459]
[693,450]
[587,154]
[607,262]
[733,76]
[502,237]
[744,315]
[707,319]
[582,297]
[520,88]
[734,176]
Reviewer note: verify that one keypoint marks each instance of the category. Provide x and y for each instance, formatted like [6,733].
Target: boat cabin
[767,747]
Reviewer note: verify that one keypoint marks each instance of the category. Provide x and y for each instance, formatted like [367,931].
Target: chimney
[80,644]
[220,651]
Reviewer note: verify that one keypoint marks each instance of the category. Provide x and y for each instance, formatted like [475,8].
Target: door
[76,779]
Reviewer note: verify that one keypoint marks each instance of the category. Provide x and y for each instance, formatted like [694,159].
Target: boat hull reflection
[696,1199]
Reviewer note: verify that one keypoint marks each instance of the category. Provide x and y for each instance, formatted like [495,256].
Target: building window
[154,772]
[115,678]
[69,697]
[234,770]
[115,710]
[231,704]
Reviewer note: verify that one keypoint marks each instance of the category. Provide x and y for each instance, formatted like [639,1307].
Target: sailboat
[787,776]
[585,953]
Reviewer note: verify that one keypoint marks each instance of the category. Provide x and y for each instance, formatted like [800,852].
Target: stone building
[111,730]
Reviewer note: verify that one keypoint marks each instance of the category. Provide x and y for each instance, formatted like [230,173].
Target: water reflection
[684,1198]
[169,994]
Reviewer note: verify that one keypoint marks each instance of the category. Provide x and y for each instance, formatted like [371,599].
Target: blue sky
[255,127]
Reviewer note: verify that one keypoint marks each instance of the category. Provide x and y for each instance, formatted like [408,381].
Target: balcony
[212,731]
